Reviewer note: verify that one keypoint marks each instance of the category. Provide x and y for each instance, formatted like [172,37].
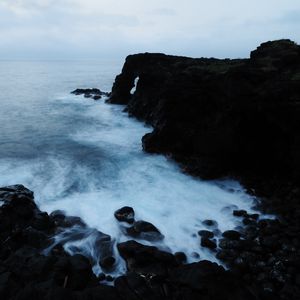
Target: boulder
[125,214]
[206,234]
[231,235]
[144,230]
[207,243]
[146,259]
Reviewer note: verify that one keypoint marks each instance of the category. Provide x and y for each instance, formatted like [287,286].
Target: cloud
[82,28]
[164,12]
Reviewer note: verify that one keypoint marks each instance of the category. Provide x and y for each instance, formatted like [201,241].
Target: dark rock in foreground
[236,118]
[144,230]
[26,273]
[145,259]
[125,214]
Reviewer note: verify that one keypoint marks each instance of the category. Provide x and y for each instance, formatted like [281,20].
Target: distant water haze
[85,157]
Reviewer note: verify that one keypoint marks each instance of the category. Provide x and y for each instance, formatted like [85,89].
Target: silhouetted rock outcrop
[94,93]
[237,118]
[219,117]
[27,273]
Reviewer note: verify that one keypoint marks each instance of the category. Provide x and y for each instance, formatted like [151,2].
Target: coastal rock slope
[219,117]
[238,118]
[27,272]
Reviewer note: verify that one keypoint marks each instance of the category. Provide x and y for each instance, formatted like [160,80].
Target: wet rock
[144,230]
[253,216]
[227,254]
[109,278]
[224,117]
[231,235]
[62,220]
[145,259]
[198,277]
[249,221]
[210,223]
[195,255]
[86,91]
[125,214]
[207,243]
[100,292]
[240,213]
[18,189]
[270,242]
[96,94]
[180,257]
[134,286]
[229,244]
[124,289]
[107,262]
[101,277]
[206,234]
[42,222]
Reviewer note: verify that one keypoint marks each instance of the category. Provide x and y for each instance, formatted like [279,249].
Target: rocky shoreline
[236,118]
[231,118]
[259,264]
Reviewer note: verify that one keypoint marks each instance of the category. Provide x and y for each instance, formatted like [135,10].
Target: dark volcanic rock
[180,257]
[207,243]
[231,235]
[25,273]
[264,262]
[236,118]
[144,230]
[96,94]
[219,117]
[107,262]
[206,280]
[206,234]
[210,223]
[240,213]
[145,259]
[125,214]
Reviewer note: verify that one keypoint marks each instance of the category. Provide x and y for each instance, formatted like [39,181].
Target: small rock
[206,234]
[180,257]
[125,214]
[109,278]
[107,262]
[144,230]
[240,213]
[207,243]
[101,277]
[210,223]
[231,235]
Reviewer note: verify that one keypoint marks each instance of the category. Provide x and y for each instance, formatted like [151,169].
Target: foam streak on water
[122,174]
[85,157]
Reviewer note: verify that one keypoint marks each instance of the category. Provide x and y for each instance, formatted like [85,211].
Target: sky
[95,29]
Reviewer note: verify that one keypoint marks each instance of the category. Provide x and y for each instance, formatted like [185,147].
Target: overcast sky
[89,29]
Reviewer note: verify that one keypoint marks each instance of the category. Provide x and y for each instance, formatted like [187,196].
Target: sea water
[85,157]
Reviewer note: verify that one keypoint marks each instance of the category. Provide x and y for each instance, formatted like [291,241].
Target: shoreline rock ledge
[219,117]
[236,118]
[26,273]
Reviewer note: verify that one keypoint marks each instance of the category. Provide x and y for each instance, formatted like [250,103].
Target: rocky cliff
[220,117]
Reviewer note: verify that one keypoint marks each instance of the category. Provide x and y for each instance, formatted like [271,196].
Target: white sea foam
[107,169]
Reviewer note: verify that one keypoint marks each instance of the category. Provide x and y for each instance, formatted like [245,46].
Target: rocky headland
[230,118]
[216,118]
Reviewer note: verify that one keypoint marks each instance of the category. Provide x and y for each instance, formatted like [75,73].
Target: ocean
[85,157]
